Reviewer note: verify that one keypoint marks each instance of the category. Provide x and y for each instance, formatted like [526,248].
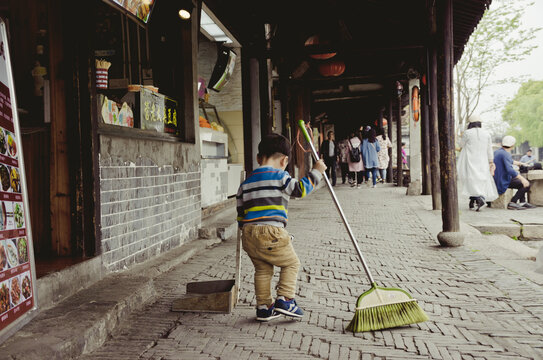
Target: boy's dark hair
[272,144]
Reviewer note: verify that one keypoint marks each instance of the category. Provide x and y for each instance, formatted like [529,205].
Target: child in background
[262,202]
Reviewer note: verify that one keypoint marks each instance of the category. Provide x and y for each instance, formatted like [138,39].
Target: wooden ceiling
[380,41]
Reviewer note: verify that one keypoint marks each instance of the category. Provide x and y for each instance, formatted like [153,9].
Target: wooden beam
[390,175]
[61,220]
[434,133]
[425,140]
[266,104]
[449,195]
[399,169]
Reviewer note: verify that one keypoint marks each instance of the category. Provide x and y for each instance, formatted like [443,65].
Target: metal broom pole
[301,123]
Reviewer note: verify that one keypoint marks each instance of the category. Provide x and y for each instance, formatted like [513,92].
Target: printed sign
[17,274]
[151,110]
[138,8]
[170,115]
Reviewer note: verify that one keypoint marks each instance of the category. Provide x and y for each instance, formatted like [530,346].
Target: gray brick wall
[148,206]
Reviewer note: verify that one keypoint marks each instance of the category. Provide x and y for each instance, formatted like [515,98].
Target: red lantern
[314,40]
[384,122]
[416,103]
[332,68]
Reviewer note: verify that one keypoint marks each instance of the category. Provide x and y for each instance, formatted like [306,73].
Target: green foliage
[498,39]
[524,113]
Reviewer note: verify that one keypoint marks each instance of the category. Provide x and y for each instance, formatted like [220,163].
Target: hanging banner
[17,269]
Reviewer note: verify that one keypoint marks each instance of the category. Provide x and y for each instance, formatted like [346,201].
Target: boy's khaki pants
[270,246]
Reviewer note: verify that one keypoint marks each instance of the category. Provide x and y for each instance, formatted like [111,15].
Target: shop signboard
[170,116]
[151,110]
[17,270]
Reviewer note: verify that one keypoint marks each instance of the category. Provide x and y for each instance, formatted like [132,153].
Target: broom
[379,307]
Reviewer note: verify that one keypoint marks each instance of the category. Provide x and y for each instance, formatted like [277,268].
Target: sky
[531,67]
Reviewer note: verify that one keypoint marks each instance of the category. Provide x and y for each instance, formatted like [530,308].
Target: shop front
[107,105]
[118,170]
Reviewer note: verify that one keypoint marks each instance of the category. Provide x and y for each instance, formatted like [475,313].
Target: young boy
[262,202]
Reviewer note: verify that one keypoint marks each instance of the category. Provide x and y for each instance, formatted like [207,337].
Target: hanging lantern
[332,68]
[384,122]
[416,103]
[314,40]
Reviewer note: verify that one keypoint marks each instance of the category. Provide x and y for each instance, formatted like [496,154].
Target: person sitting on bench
[506,176]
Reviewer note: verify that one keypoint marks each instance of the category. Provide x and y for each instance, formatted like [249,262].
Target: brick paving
[477,309]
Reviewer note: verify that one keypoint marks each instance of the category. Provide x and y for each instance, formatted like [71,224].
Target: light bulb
[184,14]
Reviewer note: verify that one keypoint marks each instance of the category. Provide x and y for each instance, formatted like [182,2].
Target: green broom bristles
[387,316]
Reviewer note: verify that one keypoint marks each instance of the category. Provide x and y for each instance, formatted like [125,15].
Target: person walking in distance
[262,201]
[476,165]
[404,157]
[329,153]
[370,149]
[356,167]
[506,176]
[343,154]
[384,144]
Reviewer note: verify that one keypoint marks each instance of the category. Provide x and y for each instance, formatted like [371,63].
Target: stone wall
[150,199]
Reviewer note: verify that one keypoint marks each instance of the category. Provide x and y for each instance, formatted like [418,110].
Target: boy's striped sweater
[263,197]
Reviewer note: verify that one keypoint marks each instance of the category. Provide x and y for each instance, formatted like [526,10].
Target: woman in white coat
[355,168]
[476,165]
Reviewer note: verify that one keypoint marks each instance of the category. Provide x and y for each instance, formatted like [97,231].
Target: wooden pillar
[399,169]
[60,191]
[286,129]
[435,177]
[425,139]
[300,109]
[266,105]
[450,235]
[251,109]
[390,169]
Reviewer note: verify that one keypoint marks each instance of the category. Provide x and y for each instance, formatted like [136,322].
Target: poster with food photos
[17,270]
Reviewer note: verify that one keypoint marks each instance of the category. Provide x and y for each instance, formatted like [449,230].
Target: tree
[524,113]
[498,39]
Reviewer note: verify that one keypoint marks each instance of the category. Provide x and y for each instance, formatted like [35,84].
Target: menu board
[138,8]
[17,277]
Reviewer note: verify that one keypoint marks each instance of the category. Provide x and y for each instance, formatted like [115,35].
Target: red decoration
[424,79]
[332,68]
[314,40]
[416,103]
[384,122]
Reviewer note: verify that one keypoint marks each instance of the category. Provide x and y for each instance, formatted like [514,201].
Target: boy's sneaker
[288,307]
[264,313]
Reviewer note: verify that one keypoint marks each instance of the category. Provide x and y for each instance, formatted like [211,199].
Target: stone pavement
[478,309]
[520,224]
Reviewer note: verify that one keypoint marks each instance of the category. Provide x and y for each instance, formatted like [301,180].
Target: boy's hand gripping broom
[379,307]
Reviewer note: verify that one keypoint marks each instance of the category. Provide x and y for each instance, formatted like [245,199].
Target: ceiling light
[185,10]
[184,14]
[212,28]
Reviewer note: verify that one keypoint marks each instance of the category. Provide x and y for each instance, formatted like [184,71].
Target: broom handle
[301,123]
